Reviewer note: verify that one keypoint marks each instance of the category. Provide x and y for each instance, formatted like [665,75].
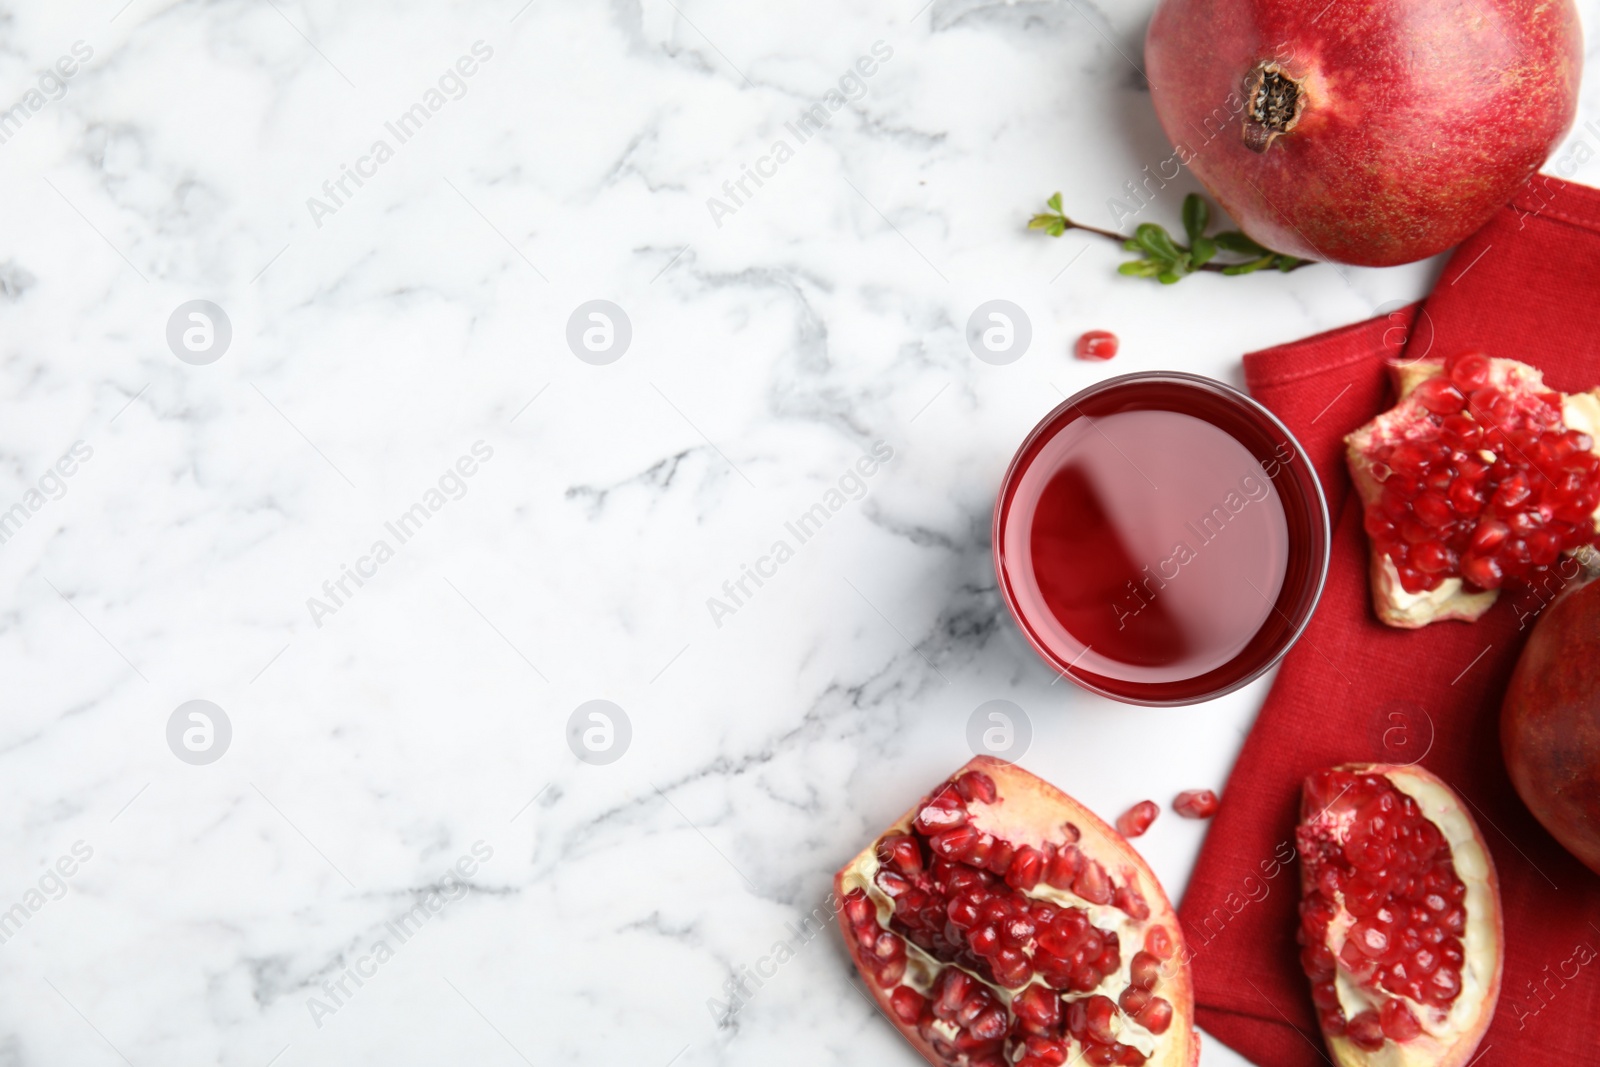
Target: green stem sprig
[1163,258]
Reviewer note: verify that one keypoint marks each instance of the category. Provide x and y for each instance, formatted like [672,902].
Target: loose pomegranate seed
[1137,819]
[1097,344]
[1196,804]
[1449,508]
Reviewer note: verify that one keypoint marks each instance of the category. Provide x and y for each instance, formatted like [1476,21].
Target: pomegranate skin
[1550,722]
[1416,120]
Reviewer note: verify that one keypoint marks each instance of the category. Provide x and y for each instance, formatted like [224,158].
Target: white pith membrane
[1449,1037]
[1014,818]
[1450,599]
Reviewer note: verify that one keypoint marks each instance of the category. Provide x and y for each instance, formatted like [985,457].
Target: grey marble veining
[399,858]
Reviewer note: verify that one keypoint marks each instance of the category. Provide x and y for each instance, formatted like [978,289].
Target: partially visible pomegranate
[1550,722]
[999,923]
[1478,476]
[1399,917]
[1368,133]
[1196,804]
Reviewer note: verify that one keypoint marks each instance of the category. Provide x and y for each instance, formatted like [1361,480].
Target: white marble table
[551,528]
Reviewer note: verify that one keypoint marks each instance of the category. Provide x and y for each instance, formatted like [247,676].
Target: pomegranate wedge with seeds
[999,923]
[1400,921]
[1478,477]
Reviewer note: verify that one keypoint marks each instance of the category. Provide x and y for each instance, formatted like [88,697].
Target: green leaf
[1141,268]
[1204,250]
[1058,226]
[1287,263]
[1042,222]
[1157,241]
[1234,241]
[1055,204]
[1167,277]
[1249,268]
[1196,216]
[1132,246]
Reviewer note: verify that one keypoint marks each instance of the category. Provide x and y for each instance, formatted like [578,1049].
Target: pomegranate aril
[1433,508]
[1397,1021]
[1011,968]
[1468,371]
[989,1026]
[1063,867]
[1512,491]
[1484,572]
[1431,557]
[1016,933]
[1092,884]
[975,785]
[1097,345]
[1137,819]
[1027,867]
[954,843]
[907,1003]
[1098,1013]
[1133,999]
[934,817]
[1441,397]
[1196,804]
[1466,499]
[859,910]
[1156,1016]
[1144,971]
[1045,1050]
[963,912]
[901,852]
[1365,1031]
[1127,899]
[1038,1009]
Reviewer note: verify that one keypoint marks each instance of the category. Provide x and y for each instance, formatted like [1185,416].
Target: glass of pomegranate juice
[1161,538]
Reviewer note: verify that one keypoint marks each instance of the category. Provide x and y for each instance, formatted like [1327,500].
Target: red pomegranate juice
[1154,539]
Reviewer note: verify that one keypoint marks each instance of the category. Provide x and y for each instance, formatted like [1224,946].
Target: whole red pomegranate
[999,923]
[1550,722]
[1370,133]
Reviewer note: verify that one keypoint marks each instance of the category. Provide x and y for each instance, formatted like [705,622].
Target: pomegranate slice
[1477,477]
[999,923]
[1400,922]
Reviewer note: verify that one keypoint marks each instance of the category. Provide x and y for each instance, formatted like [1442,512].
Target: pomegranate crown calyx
[1274,102]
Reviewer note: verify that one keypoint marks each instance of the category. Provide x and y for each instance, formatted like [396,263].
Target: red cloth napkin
[1528,287]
